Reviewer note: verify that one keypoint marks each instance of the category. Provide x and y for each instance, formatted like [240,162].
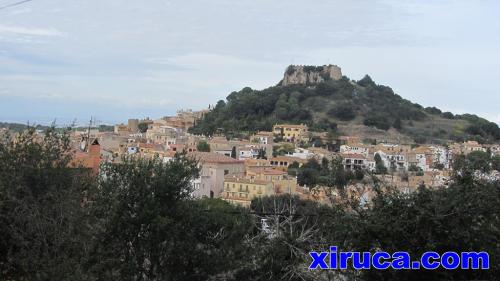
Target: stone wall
[310,75]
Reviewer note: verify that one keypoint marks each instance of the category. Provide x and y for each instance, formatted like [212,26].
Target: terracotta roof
[267,171]
[288,159]
[290,126]
[353,156]
[264,133]
[234,179]
[146,145]
[422,150]
[212,157]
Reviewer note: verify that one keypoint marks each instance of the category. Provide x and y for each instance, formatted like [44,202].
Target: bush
[432,110]
[203,146]
[379,122]
[343,111]
[448,115]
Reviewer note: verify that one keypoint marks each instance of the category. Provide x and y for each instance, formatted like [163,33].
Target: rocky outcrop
[310,75]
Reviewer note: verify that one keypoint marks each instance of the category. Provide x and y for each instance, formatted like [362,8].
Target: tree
[43,226]
[293,168]
[203,146]
[261,154]
[397,124]
[495,162]
[280,251]
[439,223]
[378,121]
[474,161]
[143,127]
[448,115]
[233,152]
[343,111]
[307,176]
[380,167]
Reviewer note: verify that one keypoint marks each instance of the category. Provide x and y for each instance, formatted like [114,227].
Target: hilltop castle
[308,75]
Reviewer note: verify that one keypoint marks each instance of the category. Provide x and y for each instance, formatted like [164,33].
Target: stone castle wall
[307,75]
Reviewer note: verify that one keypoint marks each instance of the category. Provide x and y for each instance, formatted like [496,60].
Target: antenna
[88,134]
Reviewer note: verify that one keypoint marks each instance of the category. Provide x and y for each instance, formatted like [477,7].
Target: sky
[68,60]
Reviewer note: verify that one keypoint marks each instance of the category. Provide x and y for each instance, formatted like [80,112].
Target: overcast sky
[115,59]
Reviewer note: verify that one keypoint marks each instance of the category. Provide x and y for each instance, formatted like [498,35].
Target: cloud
[30,31]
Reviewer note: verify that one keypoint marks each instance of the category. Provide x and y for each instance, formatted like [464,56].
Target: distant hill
[17,127]
[326,101]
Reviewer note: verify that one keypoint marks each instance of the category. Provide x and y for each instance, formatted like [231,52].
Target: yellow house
[241,191]
[291,133]
[282,162]
[282,182]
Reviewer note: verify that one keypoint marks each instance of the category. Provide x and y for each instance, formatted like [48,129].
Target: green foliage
[143,127]
[283,254]
[233,152]
[433,110]
[203,146]
[397,124]
[377,121]
[293,168]
[474,161]
[343,111]
[43,229]
[148,225]
[377,105]
[283,149]
[252,110]
[440,221]
[366,81]
[448,115]
[312,68]
[262,154]
[324,125]
[414,168]
[328,173]
[137,221]
[380,167]
[495,162]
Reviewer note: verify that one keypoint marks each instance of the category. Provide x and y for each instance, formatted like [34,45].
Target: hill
[334,103]
[18,127]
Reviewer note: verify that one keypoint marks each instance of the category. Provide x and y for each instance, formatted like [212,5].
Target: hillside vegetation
[340,106]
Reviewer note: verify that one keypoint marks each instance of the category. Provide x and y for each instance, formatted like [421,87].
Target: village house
[357,162]
[184,119]
[263,137]
[355,149]
[282,162]
[241,190]
[282,182]
[214,167]
[421,157]
[291,133]
[162,134]
[244,149]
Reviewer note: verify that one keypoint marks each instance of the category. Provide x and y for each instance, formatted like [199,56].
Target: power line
[14,4]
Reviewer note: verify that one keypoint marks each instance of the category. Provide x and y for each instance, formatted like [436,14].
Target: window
[226,172]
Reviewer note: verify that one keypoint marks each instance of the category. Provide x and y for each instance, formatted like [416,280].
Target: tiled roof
[212,157]
[353,156]
[246,181]
[290,126]
[422,150]
[267,171]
